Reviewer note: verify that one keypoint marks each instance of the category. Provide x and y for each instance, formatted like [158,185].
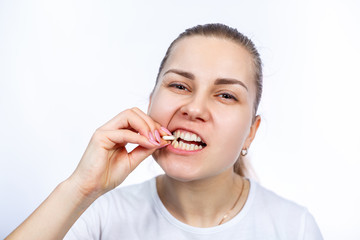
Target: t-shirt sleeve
[311,229]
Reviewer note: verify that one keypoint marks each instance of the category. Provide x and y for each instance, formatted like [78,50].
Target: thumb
[137,155]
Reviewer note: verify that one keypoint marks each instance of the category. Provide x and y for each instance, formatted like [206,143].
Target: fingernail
[153,142]
[165,130]
[151,137]
[157,136]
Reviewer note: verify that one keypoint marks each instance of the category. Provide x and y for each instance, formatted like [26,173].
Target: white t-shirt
[136,212]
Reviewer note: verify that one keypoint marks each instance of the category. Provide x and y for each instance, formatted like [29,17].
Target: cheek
[233,133]
[162,108]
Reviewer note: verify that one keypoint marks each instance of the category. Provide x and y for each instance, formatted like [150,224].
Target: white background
[67,67]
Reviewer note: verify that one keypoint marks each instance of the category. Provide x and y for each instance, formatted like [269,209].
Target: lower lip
[181,151]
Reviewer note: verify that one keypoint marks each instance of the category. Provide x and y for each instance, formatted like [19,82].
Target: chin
[189,168]
[180,170]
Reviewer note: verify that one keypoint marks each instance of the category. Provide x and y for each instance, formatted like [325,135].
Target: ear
[150,97]
[253,129]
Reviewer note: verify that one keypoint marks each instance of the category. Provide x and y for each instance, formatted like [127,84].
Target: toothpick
[168,138]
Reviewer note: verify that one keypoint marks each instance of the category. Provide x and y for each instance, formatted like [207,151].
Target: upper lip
[189,130]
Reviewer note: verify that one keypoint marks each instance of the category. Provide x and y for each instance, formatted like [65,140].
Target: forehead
[211,58]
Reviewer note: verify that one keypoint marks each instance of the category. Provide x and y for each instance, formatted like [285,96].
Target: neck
[201,203]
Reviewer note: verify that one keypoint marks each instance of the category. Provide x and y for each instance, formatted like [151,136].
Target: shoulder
[284,215]
[271,201]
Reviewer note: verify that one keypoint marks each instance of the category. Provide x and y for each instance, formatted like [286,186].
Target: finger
[157,130]
[137,155]
[128,119]
[162,130]
[165,131]
[154,126]
[110,138]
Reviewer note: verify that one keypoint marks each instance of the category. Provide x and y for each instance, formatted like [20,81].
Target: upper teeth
[187,136]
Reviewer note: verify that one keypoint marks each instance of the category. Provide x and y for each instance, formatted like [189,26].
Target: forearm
[104,165]
[55,216]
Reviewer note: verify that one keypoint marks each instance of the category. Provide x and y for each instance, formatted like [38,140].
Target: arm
[54,217]
[104,165]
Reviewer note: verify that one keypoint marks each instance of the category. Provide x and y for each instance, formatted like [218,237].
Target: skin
[201,106]
[195,102]
[199,188]
[104,165]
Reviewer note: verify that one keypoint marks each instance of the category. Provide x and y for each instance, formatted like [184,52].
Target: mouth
[187,141]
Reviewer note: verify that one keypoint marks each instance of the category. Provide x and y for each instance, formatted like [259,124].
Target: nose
[196,109]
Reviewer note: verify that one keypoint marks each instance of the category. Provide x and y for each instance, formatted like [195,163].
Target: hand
[106,162]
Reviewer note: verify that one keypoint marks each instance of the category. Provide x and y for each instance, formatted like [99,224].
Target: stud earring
[244,152]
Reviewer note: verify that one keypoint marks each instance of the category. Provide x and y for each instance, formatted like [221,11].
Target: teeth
[184,146]
[193,137]
[182,135]
[187,136]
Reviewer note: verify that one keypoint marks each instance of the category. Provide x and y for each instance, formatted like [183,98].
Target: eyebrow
[218,81]
[181,73]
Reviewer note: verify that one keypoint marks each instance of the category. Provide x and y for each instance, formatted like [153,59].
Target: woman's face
[206,89]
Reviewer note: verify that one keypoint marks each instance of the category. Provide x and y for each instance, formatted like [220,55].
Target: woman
[207,93]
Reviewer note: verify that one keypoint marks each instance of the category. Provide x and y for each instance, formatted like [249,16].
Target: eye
[227,96]
[179,86]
